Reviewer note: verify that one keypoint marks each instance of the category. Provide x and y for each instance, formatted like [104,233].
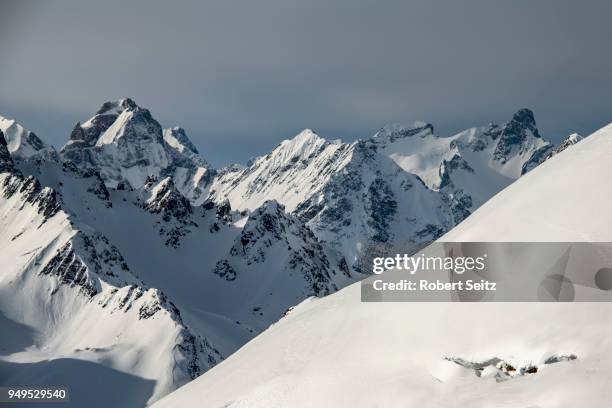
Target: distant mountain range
[341,352]
[127,255]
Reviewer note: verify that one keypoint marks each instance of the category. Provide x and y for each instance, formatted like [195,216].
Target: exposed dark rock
[383,209]
[225,270]
[515,133]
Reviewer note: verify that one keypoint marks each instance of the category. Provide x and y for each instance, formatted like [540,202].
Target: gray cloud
[240,76]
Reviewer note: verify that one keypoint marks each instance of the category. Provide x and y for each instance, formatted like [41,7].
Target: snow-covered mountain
[84,308]
[372,205]
[132,259]
[340,352]
[125,144]
[103,261]
[22,143]
[472,165]
[352,197]
[405,185]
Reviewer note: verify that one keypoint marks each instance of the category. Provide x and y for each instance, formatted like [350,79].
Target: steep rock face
[43,199]
[270,225]
[516,136]
[191,174]
[122,141]
[126,145]
[277,251]
[75,288]
[6,162]
[162,197]
[372,206]
[86,261]
[177,138]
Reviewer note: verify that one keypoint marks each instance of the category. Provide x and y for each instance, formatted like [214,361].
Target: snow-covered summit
[22,143]
[177,138]
[126,145]
[347,191]
[472,165]
[289,174]
[341,352]
[394,131]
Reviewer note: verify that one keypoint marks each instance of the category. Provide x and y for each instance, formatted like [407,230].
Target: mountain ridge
[129,214]
[345,352]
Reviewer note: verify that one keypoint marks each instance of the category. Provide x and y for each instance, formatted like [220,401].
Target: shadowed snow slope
[339,352]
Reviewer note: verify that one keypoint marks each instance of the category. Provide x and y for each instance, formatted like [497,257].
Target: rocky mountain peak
[116,107]
[177,138]
[126,145]
[22,143]
[525,118]
[395,131]
[113,119]
[516,134]
[163,197]
[306,135]
[304,143]
[268,217]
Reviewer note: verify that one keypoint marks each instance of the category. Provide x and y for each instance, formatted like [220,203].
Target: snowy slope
[178,247]
[290,174]
[562,200]
[472,165]
[339,352]
[160,247]
[566,143]
[130,227]
[83,306]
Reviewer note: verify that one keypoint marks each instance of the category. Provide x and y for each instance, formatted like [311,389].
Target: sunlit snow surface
[201,279]
[338,352]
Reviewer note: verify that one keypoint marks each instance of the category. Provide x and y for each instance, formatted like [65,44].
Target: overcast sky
[240,76]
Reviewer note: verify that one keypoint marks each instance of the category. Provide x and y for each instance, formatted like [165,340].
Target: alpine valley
[126,258]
